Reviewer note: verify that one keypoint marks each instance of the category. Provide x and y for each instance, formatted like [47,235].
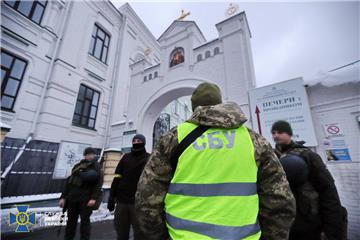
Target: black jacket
[317,200]
[84,183]
[128,171]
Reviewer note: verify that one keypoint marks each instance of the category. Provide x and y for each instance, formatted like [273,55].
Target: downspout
[127,92]
[113,86]
[47,80]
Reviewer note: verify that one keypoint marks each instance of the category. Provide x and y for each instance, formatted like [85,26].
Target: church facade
[78,74]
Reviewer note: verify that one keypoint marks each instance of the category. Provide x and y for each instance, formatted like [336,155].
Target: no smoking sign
[332,129]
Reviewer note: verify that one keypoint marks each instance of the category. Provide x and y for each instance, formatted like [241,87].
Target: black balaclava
[139,146]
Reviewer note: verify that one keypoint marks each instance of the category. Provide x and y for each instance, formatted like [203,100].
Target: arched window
[150,76]
[216,51]
[145,78]
[139,57]
[155,74]
[177,56]
[207,54]
[199,57]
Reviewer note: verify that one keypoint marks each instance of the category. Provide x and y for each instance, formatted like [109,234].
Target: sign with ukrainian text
[283,101]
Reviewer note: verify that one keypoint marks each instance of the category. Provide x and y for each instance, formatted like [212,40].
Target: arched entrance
[150,112]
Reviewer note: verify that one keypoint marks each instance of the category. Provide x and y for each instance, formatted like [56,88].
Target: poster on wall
[283,101]
[69,154]
[338,154]
[335,145]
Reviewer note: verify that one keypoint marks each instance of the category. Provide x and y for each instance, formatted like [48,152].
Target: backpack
[310,196]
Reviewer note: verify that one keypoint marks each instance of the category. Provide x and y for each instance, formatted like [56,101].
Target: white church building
[78,74]
[84,73]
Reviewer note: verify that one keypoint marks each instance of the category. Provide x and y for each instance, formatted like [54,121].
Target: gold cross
[183,15]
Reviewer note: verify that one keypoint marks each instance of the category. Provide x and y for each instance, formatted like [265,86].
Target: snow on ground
[49,217]
[29,198]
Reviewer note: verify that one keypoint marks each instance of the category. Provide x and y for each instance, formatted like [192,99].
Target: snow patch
[348,74]
[112,150]
[4,125]
[29,198]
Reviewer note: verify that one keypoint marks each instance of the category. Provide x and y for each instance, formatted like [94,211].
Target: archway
[157,102]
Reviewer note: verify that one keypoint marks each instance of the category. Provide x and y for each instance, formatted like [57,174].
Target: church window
[207,54]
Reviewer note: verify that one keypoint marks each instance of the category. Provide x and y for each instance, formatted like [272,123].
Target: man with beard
[123,188]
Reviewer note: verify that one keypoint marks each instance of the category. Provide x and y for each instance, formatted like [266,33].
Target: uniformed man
[81,194]
[317,201]
[227,184]
[123,189]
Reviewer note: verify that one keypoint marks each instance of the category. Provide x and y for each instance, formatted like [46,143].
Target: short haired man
[317,201]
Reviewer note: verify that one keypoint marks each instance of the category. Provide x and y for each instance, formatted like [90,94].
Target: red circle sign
[333,129]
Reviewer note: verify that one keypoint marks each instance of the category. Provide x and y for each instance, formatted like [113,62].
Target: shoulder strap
[180,148]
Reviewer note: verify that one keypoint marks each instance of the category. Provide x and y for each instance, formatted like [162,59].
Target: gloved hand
[111,204]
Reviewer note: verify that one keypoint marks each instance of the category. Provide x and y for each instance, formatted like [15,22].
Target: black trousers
[74,210]
[124,218]
[315,235]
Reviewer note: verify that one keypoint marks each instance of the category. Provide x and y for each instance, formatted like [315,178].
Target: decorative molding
[17,37]
[94,75]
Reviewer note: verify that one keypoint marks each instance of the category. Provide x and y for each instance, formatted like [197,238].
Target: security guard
[213,178]
[82,194]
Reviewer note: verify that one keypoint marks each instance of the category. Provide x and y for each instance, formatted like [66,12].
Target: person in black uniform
[81,193]
[318,207]
[123,189]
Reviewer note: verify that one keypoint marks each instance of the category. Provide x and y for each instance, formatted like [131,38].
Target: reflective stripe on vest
[213,192]
[217,189]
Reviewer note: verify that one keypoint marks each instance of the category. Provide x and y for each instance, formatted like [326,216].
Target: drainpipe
[114,82]
[127,92]
[47,80]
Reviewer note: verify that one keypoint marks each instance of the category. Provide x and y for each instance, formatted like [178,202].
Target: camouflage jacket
[277,204]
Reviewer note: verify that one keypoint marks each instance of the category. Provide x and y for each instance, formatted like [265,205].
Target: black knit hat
[89,150]
[140,137]
[282,127]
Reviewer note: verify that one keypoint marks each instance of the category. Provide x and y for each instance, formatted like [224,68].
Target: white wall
[33,43]
[72,66]
[341,104]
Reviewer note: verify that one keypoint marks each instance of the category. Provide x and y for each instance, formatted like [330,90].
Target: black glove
[111,204]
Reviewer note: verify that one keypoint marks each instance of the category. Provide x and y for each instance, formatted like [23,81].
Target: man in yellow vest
[224,183]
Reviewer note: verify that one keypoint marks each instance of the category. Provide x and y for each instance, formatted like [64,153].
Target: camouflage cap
[206,94]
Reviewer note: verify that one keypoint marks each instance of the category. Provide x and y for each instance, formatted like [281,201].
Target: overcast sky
[288,39]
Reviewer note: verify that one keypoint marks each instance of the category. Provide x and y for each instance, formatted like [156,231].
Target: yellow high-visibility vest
[213,193]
